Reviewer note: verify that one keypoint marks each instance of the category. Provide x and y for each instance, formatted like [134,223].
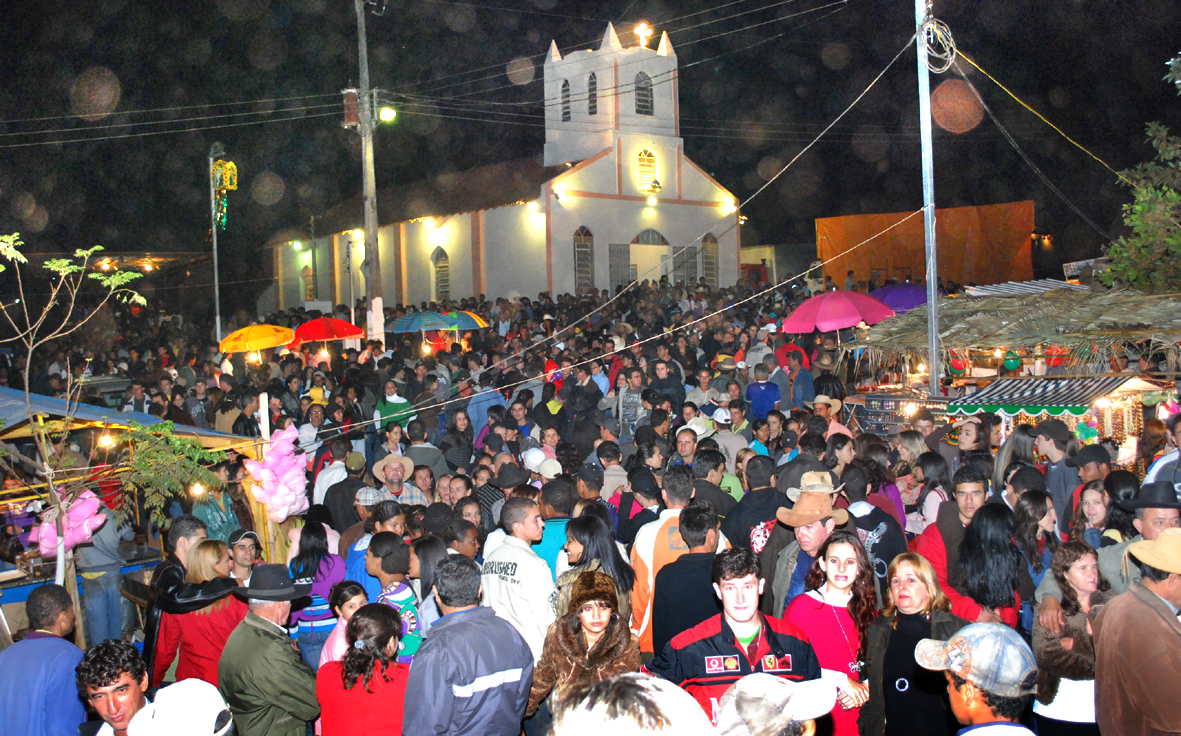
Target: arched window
[709,260]
[646,171]
[644,105]
[584,261]
[441,275]
[649,237]
[592,95]
[565,100]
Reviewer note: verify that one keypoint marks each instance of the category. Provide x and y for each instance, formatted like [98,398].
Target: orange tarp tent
[982,245]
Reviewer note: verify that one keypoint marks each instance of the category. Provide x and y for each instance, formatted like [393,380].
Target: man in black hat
[268,686]
[506,479]
[1052,439]
[1156,509]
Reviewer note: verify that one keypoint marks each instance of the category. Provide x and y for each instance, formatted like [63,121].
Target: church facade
[612,198]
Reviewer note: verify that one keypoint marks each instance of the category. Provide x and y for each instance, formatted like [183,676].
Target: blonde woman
[903,697]
[200,635]
[740,460]
[910,446]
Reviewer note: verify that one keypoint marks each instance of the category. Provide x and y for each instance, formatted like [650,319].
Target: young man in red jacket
[710,657]
[940,544]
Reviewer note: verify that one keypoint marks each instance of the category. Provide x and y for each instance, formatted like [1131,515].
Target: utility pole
[315,276]
[922,9]
[215,151]
[371,266]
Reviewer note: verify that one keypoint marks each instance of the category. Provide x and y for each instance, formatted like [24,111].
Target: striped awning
[1054,396]
[1022,288]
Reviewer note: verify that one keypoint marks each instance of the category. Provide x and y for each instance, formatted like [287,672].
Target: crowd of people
[583,519]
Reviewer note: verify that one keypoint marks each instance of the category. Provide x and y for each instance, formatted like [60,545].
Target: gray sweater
[102,553]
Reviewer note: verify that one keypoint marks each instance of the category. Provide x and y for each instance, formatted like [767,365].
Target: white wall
[514,253]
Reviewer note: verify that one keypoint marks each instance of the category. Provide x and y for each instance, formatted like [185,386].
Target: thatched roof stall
[1081,330]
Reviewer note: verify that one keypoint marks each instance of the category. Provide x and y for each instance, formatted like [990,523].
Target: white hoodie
[519,586]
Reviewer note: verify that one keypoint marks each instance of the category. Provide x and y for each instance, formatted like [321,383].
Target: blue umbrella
[420,322]
[901,297]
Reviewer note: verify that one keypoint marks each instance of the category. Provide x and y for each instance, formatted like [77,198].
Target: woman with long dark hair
[1065,704]
[458,444]
[345,599]
[591,547]
[881,480]
[1090,518]
[904,698]
[991,568]
[1154,442]
[425,555]
[1017,448]
[835,611]
[646,455]
[1120,485]
[839,452]
[933,475]
[589,644]
[1034,521]
[314,564]
[365,691]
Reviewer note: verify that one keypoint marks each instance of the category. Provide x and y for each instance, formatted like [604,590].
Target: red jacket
[201,637]
[930,545]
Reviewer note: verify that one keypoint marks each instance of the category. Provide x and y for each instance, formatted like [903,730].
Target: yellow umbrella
[256,337]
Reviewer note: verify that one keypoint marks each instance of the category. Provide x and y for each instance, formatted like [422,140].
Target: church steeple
[593,95]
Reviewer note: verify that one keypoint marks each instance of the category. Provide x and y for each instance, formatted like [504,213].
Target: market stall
[1017,346]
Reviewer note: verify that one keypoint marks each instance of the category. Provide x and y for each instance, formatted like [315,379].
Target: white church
[613,198]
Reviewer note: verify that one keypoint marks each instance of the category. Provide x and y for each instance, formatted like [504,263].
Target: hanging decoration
[224,175]
[1012,361]
[959,363]
[281,477]
[81,522]
[1056,355]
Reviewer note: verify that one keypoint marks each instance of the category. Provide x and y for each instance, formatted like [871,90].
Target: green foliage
[1149,259]
[158,466]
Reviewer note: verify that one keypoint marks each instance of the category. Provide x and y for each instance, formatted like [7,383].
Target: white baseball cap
[189,708]
[533,458]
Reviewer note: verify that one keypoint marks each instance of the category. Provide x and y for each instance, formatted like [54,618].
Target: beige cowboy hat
[811,508]
[700,427]
[1163,553]
[834,404]
[380,465]
[814,482]
[825,362]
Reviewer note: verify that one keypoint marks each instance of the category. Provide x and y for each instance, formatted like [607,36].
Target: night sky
[1095,69]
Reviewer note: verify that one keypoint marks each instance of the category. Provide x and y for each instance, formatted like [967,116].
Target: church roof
[481,188]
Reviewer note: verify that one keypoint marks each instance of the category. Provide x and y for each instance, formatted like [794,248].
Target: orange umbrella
[256,337]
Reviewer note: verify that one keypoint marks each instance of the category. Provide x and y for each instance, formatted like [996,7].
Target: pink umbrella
[835,310]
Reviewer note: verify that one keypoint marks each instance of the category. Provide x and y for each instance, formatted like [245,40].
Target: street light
[387,114]
[216,151]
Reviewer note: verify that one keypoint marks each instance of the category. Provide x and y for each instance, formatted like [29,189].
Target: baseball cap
[354,461]
[591,473]
[721,416]
[1089,454]
[191,707]
[1055,429]
[644,483]
[239,534]
[789,440]
[372,496]
[764,704]
[611,424]
[991,656]
[549,468]
[533,458]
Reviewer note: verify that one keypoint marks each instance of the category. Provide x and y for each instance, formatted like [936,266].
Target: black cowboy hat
[1158,495]
[273,583]
[510,476]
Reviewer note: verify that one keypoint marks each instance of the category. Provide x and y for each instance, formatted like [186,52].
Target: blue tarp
[14,411]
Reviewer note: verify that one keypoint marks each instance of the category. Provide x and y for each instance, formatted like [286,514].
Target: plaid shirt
[411,494]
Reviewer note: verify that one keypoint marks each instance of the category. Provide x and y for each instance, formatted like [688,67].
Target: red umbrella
[835,310]
[325,328]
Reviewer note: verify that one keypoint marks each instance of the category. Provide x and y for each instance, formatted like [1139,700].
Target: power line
[166,132]
[170,109]
[175,120]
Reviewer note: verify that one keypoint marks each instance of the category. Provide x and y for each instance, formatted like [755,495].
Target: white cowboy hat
[834,404]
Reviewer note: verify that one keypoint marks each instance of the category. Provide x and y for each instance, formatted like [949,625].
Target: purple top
[891,492]
[331,572]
